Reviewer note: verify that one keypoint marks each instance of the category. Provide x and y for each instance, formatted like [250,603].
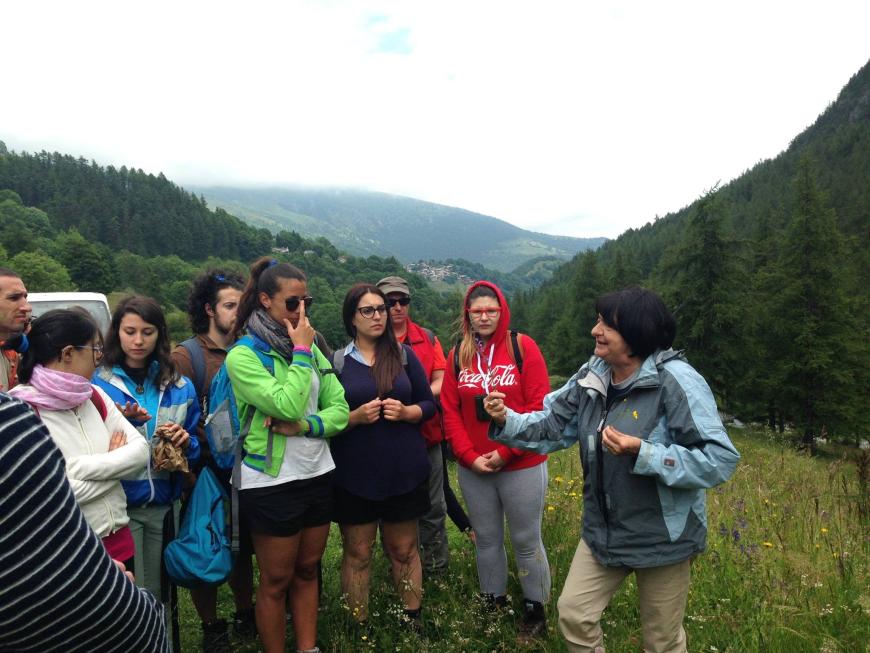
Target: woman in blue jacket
[139,376]
[651,442]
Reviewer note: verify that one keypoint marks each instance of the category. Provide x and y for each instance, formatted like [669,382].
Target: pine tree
[819,336]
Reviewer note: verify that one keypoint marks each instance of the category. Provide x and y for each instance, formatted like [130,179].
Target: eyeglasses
[97,349]
[292,303]
[369,311]
[401,301]
[477,313]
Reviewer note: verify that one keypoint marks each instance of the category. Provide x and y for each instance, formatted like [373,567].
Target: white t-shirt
[304,457]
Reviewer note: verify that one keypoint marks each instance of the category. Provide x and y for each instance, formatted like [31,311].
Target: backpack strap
[429,334]
[338,361]
[516,349]
[257,346]
[99,404]
[197,361]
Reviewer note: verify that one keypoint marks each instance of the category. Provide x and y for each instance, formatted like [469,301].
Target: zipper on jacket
[599,463]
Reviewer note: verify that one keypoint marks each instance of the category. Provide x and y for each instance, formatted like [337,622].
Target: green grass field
[786,570]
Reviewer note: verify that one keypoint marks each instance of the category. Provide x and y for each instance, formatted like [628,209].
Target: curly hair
[204,292]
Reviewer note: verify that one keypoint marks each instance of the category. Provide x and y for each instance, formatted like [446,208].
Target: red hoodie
[524,392]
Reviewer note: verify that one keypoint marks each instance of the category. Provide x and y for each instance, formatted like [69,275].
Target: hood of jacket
[504,318]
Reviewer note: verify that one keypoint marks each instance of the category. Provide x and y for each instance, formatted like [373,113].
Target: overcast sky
[573,118]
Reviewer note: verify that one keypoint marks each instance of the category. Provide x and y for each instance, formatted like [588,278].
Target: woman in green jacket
[285,484]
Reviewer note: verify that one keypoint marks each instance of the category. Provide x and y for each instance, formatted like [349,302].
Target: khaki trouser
[662,593]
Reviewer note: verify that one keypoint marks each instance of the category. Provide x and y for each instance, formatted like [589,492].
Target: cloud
[576,117]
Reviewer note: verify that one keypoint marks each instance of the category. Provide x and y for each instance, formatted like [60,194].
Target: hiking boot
[245,624]
[412,621]
[493,603]
[534,624]
[215,638]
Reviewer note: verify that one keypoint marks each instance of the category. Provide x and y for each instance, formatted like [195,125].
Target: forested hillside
[84,227]
[768,276]
[362,223]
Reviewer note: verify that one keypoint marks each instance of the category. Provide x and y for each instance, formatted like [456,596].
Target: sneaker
[534,624]
[215,638]
[245,624]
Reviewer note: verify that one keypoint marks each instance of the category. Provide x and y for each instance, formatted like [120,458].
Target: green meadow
[786,569]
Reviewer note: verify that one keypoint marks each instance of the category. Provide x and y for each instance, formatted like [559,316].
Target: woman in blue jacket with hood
[139,376]
[651,442]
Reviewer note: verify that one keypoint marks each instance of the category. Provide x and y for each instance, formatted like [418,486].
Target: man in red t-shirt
[433,533]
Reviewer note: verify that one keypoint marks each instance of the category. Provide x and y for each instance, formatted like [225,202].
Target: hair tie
[219,278]
[271,263]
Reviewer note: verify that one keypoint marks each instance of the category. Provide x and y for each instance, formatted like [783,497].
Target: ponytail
[264,277]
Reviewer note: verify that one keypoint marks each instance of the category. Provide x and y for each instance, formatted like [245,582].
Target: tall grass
[786,570]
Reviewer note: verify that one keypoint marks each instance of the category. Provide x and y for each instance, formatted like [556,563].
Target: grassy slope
[786,570]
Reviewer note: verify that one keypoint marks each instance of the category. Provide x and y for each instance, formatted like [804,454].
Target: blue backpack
[200,555]
[223,429]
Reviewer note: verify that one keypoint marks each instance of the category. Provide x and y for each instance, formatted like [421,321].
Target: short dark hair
[641,318]
[149,310]
[204,292]
[53,331]
[6,272]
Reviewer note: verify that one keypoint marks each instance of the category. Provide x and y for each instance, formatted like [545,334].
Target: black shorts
[353,509]
[284,510]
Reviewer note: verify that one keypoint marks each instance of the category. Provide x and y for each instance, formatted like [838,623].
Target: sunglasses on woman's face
[369,311]
[292,303]
[401,301]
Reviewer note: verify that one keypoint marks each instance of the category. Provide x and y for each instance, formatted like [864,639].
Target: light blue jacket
[647,510]
[174,402]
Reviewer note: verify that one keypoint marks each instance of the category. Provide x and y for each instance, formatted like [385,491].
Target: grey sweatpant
[519,497]
[432,534]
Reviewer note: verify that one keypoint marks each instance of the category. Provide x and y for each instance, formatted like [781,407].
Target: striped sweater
[59,590]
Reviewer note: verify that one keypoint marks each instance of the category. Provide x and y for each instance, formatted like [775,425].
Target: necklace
[140,389]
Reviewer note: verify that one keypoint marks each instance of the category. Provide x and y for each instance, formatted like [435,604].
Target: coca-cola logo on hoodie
[497,376]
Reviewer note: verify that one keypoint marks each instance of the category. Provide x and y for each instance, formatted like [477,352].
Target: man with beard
[212,306]
[14,317]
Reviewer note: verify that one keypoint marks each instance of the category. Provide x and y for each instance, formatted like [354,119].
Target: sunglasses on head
[401,301]
[292,303]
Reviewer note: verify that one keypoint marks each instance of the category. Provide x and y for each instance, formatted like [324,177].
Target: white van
[93,302]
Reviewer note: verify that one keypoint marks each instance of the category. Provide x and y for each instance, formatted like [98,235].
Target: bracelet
[302,348]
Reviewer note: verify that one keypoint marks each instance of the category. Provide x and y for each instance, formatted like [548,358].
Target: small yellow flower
[818,546]
[767,545]
[824,531]
[572,494]
[551,508]
[558,479]
[634,414]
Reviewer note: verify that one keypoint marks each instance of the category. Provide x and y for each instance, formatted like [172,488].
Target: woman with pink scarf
[98,444]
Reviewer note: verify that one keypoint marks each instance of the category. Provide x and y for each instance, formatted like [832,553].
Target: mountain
[768,277]
[363,223]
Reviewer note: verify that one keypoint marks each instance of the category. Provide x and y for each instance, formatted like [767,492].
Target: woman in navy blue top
[382,468]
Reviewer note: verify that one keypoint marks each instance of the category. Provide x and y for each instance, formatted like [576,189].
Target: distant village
[445,272]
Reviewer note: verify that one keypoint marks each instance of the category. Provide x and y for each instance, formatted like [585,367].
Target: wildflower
[558,479]
[572,494]
[551,508]
[767,545]
[824,531]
